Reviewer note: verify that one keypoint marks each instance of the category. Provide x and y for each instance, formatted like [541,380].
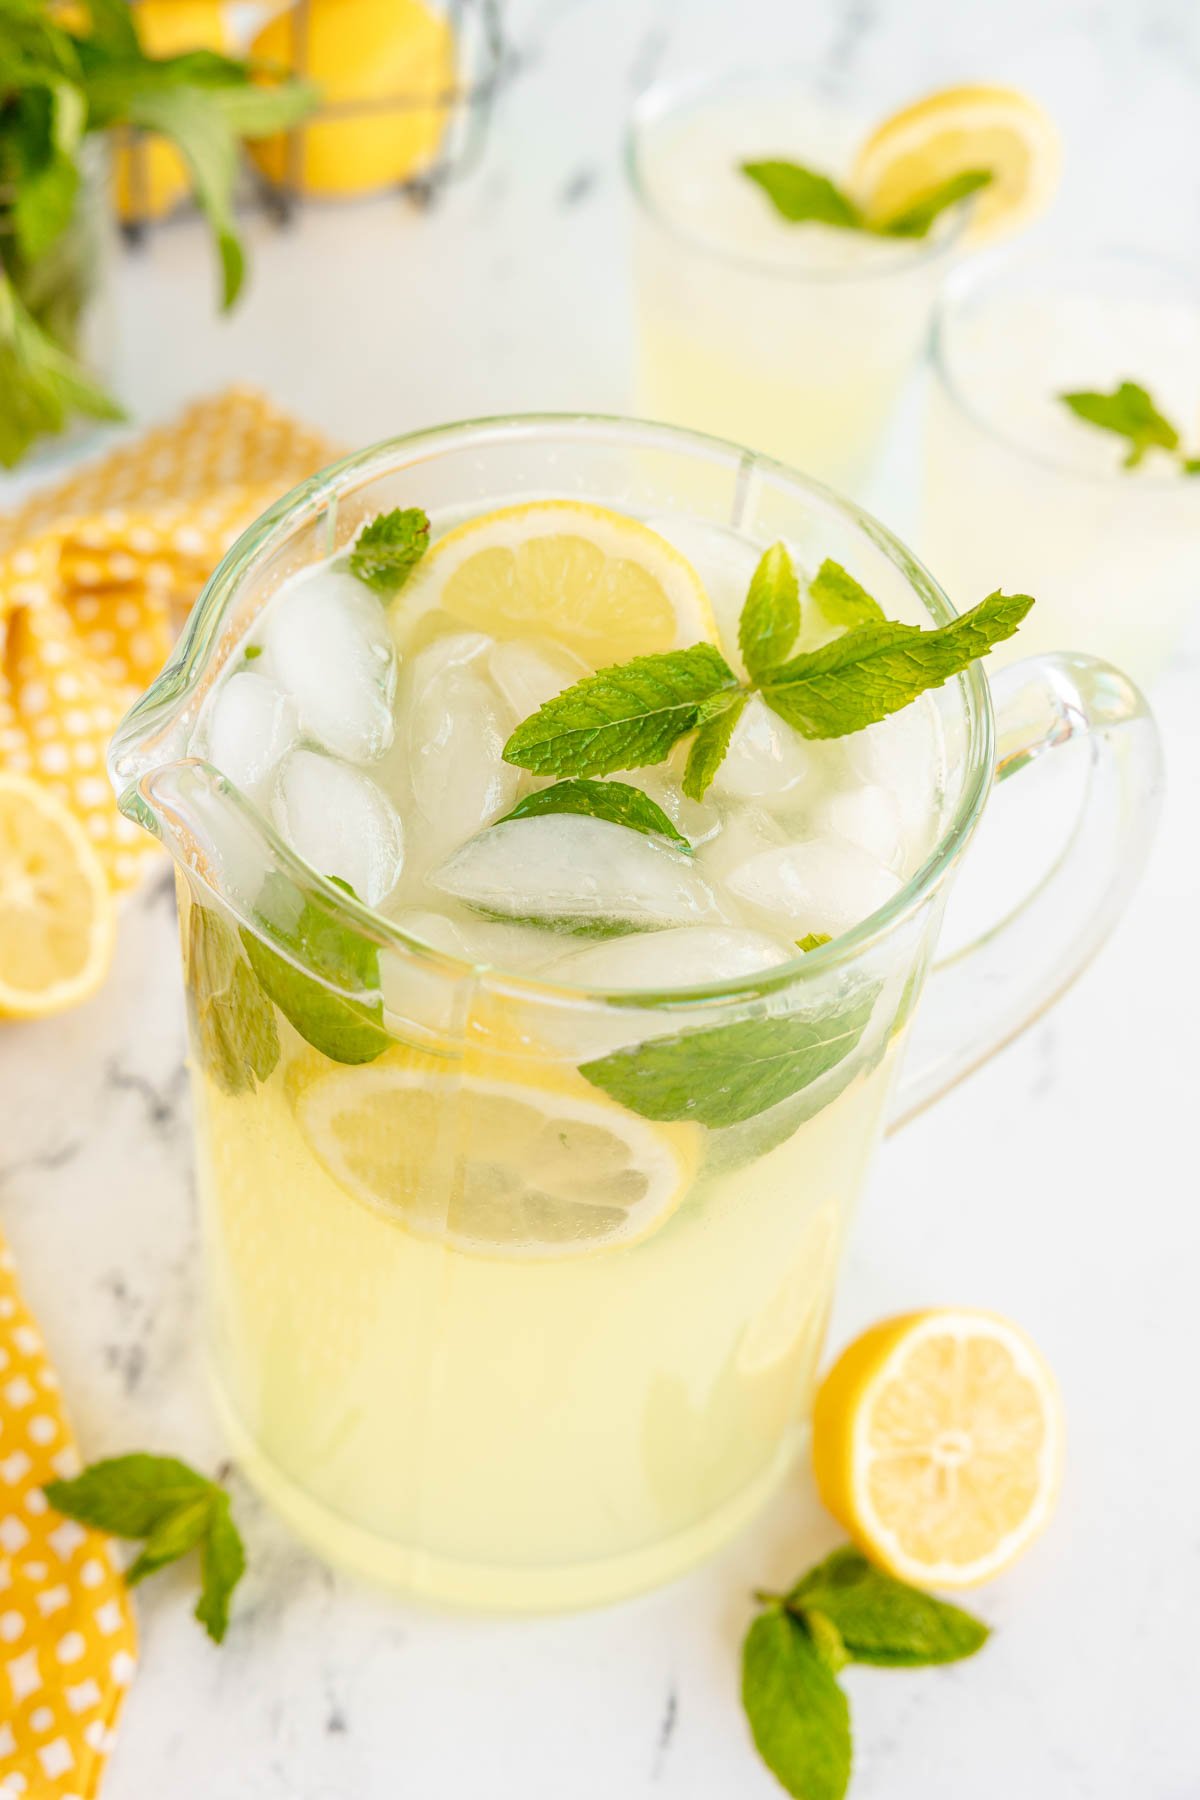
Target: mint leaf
[174,1509]
[234,1029]
[723,1074]
[323,1006]
[770,617]
[252,652]
[827,1641]
[841,599]
[718,722]
[875,670]
[173,1536]
[209,147]
[388,549]
[802,196]
[1191,465]
[624,717]
[917,218]
[128,1496]
[798,1714]
[222,1565]
[881,1620]
[1129,412]
[813,940]
[615,801]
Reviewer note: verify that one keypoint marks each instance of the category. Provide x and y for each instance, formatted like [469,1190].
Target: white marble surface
[1058,1186]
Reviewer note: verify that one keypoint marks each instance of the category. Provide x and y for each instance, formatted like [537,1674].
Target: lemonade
[1017,485]
[533,1091]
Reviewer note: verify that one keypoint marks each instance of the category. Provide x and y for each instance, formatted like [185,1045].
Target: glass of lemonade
[1020,492]
[527,1146]
[795,339]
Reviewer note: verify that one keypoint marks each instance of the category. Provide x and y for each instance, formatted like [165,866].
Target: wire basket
[480,63]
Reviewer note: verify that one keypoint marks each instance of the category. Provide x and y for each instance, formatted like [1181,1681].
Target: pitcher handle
[983,995]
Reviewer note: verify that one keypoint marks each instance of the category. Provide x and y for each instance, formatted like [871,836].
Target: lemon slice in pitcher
[496,1167]
[595,581]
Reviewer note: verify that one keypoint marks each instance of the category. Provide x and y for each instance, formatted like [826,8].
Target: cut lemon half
[952,132]
[56,909]
[500,1168]
[599,583]
[937,1443]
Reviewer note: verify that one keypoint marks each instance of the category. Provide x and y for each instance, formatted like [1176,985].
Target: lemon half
[937,1444]
[57,917]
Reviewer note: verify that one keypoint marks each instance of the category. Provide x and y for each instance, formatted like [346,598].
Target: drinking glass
[1020,493]
[548,1423]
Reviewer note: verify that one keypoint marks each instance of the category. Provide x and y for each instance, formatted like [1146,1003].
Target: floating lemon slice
[951,132]
[503,1168]
[56,909]
[597,582]
[937,1441]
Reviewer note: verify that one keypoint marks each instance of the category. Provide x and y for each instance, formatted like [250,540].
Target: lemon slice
[937,1443]
[951,132]
[56,909]
[500,1168]
[597,582]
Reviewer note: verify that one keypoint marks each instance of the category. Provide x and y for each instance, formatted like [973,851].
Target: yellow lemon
[952,132]
[597,582]
[361,51]
[56,911]
[937,1444]
[151,177]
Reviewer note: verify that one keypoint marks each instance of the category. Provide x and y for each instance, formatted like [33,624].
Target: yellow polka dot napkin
[67,1637]
[98,573]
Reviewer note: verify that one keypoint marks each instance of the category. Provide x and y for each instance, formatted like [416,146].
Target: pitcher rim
[183,670]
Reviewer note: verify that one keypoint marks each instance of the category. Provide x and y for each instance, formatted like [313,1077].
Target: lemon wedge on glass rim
[494,1158]
[937,1444]
[950,133]
[593,581]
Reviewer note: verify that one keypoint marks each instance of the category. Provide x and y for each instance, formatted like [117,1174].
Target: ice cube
[698,820]
[904,753]
[867,816]
[504,946]
[726,563]
[766,759]
[745,831]
[688,956]
[330,649]
[529,674]
[565,866]
[455,731]
[341,822]
[251,728]
[813,886]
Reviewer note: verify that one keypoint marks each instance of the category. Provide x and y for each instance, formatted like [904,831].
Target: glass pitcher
[533,1411]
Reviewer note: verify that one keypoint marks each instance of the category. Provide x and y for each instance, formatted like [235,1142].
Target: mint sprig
[624,717]
[813,940]
[1130,413]
[163,1502]
[634,713]
[804,196]
[843,1611]
[388,549]
[323,977]
[615,801]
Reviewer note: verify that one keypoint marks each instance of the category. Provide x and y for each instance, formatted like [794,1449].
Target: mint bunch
[843,1611]
[802,196]
[171,1510]
[1130,413]
[63,79]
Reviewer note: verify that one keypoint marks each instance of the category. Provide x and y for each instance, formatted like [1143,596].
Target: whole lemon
[356,50]
[152,179]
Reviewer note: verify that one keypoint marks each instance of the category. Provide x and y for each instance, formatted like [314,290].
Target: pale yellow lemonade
[480,1329]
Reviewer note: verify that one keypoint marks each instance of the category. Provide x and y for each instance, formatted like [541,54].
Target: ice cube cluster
[387,772]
